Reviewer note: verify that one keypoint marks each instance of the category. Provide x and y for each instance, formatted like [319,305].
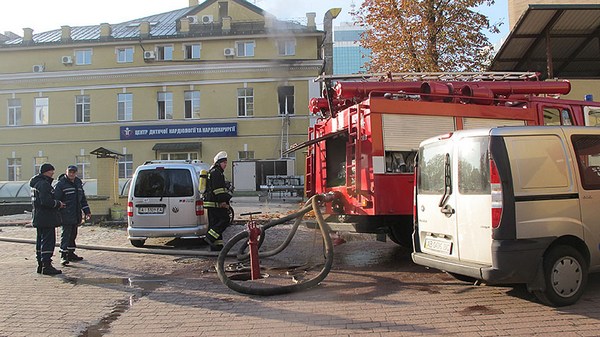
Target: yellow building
[219,75]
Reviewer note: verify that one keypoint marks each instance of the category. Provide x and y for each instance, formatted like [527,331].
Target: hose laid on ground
[278,290]
[176,252]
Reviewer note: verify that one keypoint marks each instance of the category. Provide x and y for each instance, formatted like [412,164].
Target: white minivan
[165,200]
[511,205]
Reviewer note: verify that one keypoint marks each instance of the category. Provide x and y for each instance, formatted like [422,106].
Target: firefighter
[216,200]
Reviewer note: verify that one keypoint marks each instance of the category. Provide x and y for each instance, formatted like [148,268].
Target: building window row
[15,168]
[164,106]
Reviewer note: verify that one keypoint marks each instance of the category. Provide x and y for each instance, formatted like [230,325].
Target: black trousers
[44,243]
[67,238]
[218,221]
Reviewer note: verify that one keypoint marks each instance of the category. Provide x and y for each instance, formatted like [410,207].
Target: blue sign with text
[178,131]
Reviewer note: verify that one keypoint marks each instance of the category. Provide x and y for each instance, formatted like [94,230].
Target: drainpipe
[328,42]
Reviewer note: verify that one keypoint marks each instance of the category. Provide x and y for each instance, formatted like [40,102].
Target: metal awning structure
[296,147]
[102,152]
[559,41]
[177,147]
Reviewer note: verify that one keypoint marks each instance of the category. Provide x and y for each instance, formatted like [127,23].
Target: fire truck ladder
[434,76]
[353,152]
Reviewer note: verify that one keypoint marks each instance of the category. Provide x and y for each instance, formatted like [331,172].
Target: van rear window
[164,183]
[431,167]
[587,149]
[474,166]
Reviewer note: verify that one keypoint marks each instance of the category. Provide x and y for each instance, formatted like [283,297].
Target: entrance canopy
[558,41]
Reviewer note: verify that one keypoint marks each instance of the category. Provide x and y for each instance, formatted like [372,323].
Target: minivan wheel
[138,243]
[401,235]
[565,275]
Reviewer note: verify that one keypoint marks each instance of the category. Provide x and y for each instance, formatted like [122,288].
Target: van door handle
[447,210]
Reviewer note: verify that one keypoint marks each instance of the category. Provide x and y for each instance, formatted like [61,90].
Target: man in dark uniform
[69,190]
[216,200]
[45,218]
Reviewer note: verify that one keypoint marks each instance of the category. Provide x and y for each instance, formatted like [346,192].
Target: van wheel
[231,214]
[565,275]
[138,243]
[463,278]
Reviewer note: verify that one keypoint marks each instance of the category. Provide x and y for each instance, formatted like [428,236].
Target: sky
[45,15]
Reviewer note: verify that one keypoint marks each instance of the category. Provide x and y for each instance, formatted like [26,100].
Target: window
[82,108]
[474,166]
[124,107]
[286,47]
[245,102]
[192,104]
[124,55]
[587,149]
[164,183]
[165,105]
[126,166]
[286,100]
[179,156]
[14,169]
[41,110]
[246,155]
[14,111]
[192,51]
[83,166]
[37,164]
[434,165]
[245,48]
[164,53]
[557,116]
[83,56]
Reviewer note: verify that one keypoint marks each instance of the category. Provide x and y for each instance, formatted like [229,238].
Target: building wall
[217,77]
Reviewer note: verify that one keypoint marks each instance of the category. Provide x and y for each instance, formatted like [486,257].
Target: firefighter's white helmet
[220,156]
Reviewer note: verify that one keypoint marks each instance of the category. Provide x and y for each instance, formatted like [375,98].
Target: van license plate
[439,245]
[151,210]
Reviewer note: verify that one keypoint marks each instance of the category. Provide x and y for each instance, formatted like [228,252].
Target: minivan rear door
[150,204]
[473,200]
[436,219]
[180,190]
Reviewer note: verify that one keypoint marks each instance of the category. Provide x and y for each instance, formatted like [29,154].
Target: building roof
[164,25]
[573,32]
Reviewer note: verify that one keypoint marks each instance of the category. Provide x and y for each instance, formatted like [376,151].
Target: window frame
[83,57]
[41,117]
[127,107]
[285,100]
[164,105]
[188,51]
[246,102]
[82,109]
[169,155]
[191,110]
[128,57]
[38,162]
[242,48]
[83,166]
[126,166]
[13,169]
[289,47]
[160,52]
[13,112]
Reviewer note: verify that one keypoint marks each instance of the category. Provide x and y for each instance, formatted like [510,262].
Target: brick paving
[374,290]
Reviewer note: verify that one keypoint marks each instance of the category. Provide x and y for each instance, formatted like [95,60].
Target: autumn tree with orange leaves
[426,35]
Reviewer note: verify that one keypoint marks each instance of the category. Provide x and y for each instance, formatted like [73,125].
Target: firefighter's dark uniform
[218,216]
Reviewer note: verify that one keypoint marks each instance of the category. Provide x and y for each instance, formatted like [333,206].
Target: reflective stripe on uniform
[218,243]
[213,233]
[220,191]
[209,204]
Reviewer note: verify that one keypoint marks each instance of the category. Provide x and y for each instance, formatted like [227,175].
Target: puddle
[479,310]
[138,287]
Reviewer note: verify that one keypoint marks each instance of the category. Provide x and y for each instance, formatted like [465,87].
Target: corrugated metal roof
[574,34]
[162,25]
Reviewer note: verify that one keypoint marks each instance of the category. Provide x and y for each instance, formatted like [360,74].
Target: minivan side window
[164,183]
[431,160]
[587,150]
[474,166]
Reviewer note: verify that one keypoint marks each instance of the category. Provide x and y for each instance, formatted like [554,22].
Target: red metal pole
[253,233]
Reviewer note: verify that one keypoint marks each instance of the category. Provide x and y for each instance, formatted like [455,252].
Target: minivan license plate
[439,245]
[151,210]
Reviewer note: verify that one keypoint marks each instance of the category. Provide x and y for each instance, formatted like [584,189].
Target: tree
[426,35]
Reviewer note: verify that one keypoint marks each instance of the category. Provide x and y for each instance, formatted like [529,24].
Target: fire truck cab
[362,148]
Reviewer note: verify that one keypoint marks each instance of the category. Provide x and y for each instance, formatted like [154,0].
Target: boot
[48,269]
[73,257]
[64,258]
[39,267]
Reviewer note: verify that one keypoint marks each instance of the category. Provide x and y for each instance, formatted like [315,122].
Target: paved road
[374,289]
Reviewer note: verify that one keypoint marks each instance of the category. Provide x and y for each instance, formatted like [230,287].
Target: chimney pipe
[105,31]
[226,20]
[193,3]
[184,25]
[328,42]
[144,29]
[311,22]
[65,34]
[27,35]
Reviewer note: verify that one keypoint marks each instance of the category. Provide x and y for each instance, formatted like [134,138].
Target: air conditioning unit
[149,55]
[67,60]
[193,19]
[38,68]
[229,51]
[207,19]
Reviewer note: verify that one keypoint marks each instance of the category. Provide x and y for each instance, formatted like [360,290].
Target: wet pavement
[373,289]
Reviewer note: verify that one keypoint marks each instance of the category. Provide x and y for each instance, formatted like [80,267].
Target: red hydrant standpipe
[253,233]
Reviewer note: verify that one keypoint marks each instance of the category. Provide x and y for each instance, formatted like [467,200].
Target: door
[244,175]
[436,221]
[150,206]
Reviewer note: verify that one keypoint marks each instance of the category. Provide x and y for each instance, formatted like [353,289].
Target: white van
[165,200]
[512,205]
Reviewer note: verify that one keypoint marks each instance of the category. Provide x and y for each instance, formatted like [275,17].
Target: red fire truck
[362,147]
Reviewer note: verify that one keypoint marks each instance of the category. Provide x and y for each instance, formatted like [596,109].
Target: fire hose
[312,204]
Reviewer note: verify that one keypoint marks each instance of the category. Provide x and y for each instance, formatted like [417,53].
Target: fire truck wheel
[401,235]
